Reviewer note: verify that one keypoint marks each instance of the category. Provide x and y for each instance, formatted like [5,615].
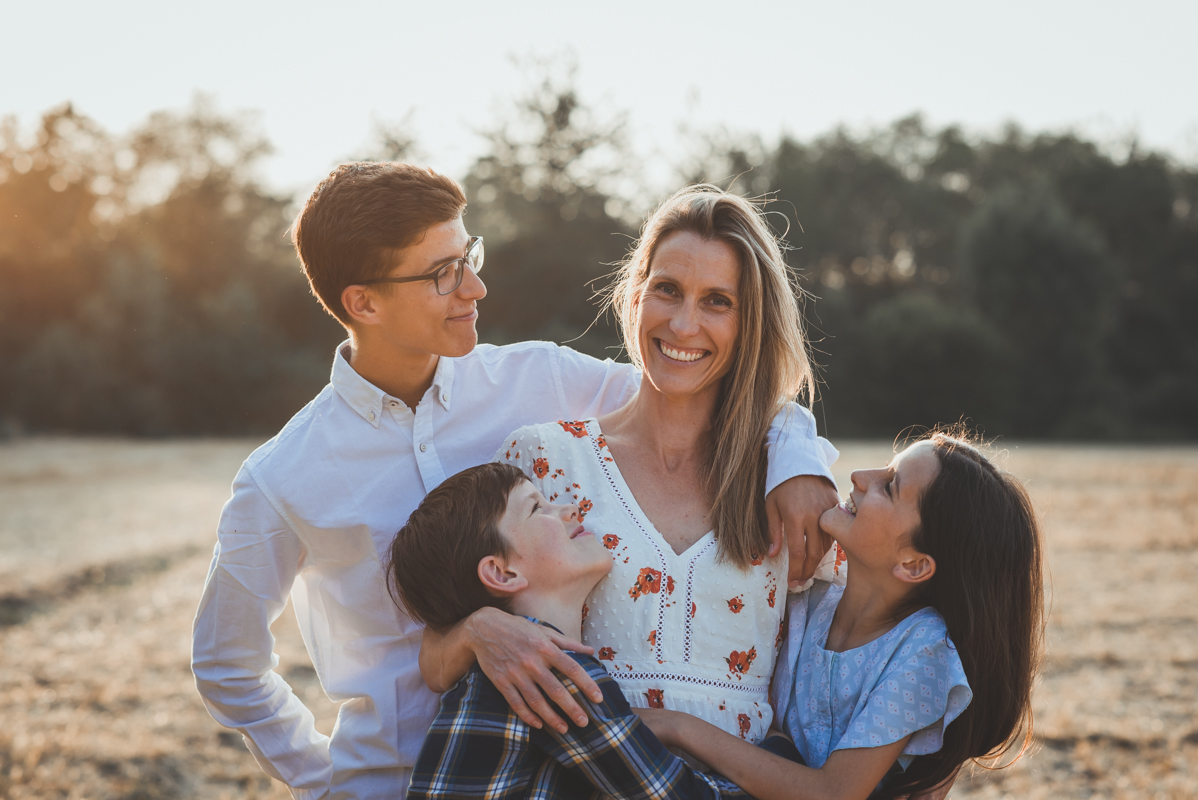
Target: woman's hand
[794,509]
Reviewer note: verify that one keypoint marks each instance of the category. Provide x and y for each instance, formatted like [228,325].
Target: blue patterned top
[907,681]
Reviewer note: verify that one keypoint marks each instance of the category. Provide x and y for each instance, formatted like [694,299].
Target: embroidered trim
[665,567]
[689,624]
[669,676]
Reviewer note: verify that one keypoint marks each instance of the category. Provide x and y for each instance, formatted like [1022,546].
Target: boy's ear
[359,304]
[915,567]
[499,579]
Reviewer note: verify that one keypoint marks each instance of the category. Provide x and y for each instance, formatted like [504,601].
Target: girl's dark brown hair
[977,522]
[432,569]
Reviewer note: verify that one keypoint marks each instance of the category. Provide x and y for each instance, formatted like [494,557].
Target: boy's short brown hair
[358,217]
[432,571]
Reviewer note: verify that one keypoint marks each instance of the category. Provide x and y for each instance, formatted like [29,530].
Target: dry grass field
[104,547]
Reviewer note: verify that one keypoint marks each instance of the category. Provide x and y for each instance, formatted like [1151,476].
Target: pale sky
[319,73]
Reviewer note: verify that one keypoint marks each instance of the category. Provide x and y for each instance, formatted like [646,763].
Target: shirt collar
[367,399]
[360,394]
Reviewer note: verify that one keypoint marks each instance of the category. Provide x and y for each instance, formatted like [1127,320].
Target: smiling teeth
[680,356]
[850,506]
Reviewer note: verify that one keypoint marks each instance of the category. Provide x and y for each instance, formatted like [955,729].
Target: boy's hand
[794,509]
[519,657]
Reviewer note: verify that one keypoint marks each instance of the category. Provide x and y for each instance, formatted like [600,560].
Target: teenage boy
[411,401]
[486,537]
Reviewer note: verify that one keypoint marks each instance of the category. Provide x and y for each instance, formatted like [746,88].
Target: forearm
[252,572]
[848,774]
[240,690]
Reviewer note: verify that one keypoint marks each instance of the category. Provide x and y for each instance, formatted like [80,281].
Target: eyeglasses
[447,277]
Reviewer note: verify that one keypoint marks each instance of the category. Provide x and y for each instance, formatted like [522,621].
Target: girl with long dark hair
[922,661]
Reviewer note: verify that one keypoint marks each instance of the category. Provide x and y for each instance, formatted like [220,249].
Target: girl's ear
[915,567]
[499,579]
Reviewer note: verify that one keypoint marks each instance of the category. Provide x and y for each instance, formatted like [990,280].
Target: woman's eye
[723,302]
[887,486]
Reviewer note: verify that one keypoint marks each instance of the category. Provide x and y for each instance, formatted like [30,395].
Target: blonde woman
[674,482]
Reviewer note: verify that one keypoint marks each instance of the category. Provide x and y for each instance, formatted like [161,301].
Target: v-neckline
[634,507]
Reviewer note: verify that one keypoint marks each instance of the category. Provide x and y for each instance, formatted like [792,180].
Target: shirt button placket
[431,471]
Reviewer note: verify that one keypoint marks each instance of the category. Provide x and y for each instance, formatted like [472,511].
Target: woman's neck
[870,607]
[670,428]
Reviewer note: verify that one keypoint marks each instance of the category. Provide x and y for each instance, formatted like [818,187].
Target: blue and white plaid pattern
[478,748]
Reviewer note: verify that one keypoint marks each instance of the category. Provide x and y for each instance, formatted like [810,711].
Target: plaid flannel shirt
[478,748]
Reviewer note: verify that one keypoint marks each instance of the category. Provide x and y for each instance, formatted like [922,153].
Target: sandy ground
[104,546]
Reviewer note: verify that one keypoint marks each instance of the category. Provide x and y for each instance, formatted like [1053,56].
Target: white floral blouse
[678,631]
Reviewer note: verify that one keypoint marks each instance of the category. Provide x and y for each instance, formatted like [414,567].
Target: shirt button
[371,415]
[445,397]
[423,447]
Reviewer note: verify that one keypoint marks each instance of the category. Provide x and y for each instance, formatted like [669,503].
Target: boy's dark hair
[358,217]
[432,570]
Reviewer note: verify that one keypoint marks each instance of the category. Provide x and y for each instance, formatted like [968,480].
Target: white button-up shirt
[312,515]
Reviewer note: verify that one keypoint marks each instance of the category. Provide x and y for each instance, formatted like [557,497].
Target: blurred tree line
[1040,285]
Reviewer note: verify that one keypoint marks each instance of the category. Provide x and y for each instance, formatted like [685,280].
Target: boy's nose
[570,512]
[472,286]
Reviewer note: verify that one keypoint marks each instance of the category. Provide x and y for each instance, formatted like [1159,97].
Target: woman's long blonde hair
[770,367]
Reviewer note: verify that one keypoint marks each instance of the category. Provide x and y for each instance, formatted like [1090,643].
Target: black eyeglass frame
[474,253]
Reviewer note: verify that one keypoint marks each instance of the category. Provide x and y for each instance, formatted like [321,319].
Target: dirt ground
[104,546]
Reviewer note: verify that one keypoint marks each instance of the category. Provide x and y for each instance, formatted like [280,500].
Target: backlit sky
[319,73]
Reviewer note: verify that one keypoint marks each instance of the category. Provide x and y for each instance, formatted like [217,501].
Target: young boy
[411,400]
[487,537]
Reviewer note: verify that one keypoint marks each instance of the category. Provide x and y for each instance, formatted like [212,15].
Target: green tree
[542,197]
[1048,280]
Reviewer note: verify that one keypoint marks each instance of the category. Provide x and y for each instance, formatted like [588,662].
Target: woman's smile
[680,354]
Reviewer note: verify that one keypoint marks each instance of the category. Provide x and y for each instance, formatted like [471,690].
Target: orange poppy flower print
[599,440]
[647,581]
[694,608]
[772,595]
[743,721]
[652,638]
[655,698]
[756,560]
[739,663]
[576,429]
[840,559]
[585,610]
[669,584]
[736,604]
[607,654]
[540,467]
[584,507]
[781,634]
[610,540]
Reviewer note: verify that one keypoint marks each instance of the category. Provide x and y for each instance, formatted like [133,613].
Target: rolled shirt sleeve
[796,448]
[254,565]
